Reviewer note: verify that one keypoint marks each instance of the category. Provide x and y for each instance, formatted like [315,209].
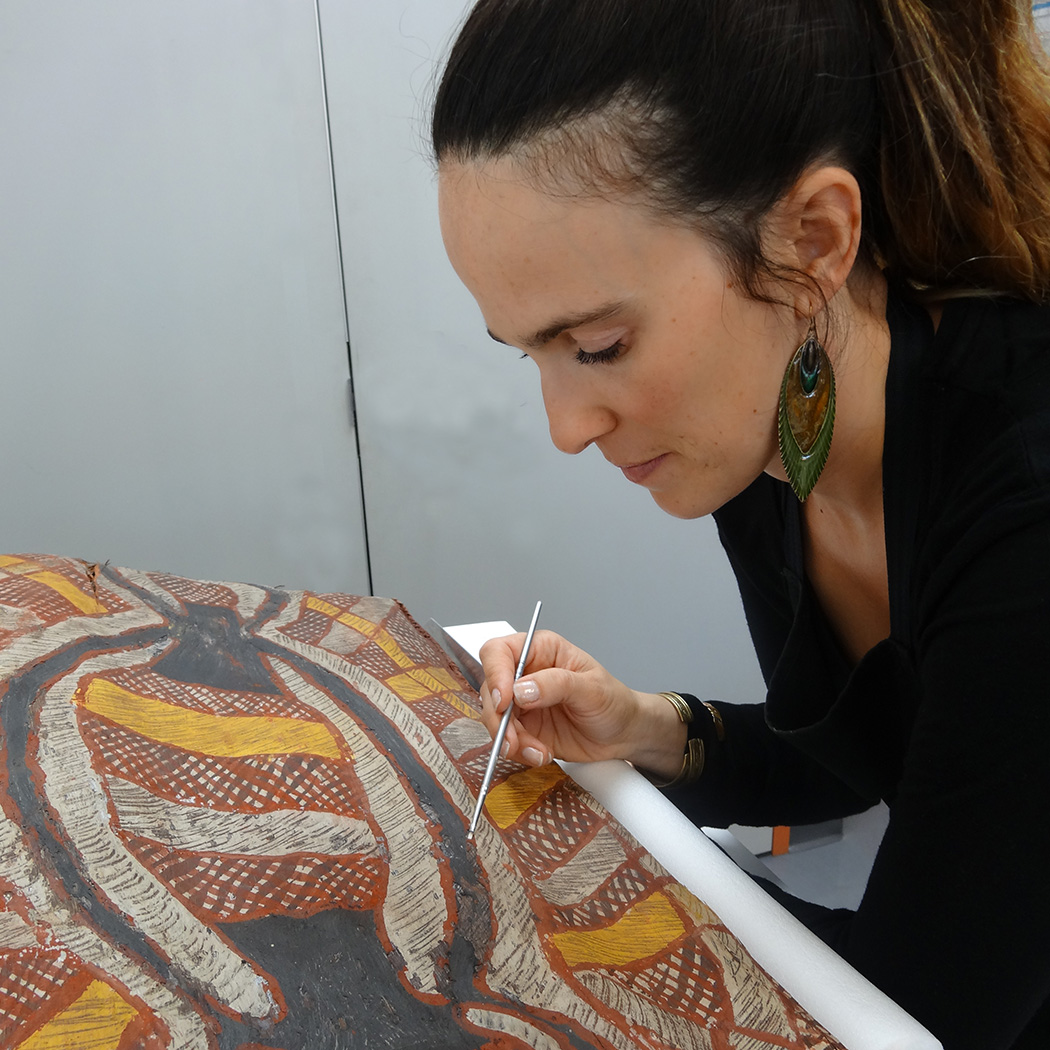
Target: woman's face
[645,347]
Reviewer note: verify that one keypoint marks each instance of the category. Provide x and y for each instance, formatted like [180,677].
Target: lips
[640,472]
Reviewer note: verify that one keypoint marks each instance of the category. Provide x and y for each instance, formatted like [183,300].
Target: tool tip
[470,835]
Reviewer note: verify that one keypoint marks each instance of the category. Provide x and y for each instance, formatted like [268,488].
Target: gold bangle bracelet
[692,766]
[681,706]
[716,717]
[693,759]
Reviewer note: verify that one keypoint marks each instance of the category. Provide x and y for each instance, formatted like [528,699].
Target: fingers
[532,752]
[549,651]
[547,688]
[517,743]
[499,659]
[566,703]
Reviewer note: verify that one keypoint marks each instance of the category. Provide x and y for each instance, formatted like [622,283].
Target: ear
[817,230]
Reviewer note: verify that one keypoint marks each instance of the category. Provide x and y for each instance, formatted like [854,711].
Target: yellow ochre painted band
[381,637]
[644,930]
[519,792]
[69,590]
[94,1021]
[423,682]
[84,602]
[227,736]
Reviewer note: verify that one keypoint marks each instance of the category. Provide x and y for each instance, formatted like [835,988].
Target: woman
[725,230]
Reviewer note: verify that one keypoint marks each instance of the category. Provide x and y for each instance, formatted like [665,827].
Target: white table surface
[845,1003]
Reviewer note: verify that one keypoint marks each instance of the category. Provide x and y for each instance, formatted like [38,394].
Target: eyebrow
[563,324]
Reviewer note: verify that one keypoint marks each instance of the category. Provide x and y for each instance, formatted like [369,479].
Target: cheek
[708,408]
[683,392]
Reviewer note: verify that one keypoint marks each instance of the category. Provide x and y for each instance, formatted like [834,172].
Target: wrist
[658,742]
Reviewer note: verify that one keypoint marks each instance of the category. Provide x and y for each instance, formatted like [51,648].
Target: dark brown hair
[713,108]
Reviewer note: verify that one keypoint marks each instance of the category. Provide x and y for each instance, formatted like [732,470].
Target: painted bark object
[235,818]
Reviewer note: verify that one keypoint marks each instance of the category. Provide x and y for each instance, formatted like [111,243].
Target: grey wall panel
[472,513]
[171,323]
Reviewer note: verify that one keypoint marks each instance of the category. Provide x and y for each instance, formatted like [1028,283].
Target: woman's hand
[568,706]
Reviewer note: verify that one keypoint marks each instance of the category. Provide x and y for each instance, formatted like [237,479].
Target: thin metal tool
[504,722]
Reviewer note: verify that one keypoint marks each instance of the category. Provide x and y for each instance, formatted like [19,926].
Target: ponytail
[941,108]
[965,150]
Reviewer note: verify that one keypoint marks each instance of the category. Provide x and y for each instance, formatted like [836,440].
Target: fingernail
[497,696]
[504,749]
[526,691]
[532,756]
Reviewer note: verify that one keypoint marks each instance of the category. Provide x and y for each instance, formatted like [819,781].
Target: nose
[575,417]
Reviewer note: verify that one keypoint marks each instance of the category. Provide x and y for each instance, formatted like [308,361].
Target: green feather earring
[807,414]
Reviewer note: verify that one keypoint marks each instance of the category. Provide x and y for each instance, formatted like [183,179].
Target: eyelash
[600,357]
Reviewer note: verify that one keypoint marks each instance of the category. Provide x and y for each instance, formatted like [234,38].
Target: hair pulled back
[712,109]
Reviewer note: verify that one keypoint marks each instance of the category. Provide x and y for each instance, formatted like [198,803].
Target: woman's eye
[598,357]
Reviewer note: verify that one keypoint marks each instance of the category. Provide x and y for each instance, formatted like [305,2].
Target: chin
[704,495]
[686,507]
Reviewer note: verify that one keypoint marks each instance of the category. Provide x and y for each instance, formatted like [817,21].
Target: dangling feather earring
[807,414]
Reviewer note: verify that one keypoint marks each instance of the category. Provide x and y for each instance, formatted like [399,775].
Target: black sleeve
[756,778]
